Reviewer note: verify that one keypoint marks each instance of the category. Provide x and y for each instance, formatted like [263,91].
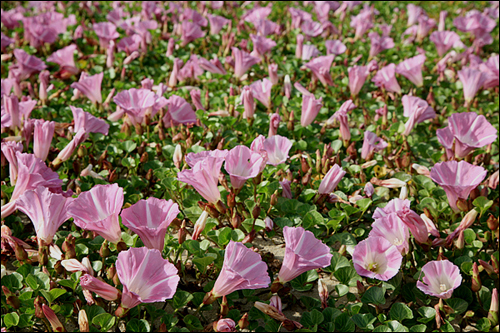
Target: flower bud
[178,156]
[236,220]
[11,297]
[492,222]
[20,252]
[274,199]
[224,308]
[461,240]
[288,86]
[361,287]
[494,263]
[476,280]
[221,208]
[83,321]
[323,293]
[52,318]
[200,225]
[243,322]
[104,250]
[493,313]
[462,205]
[231,200]
[269,224]
[487,267]
[181,236]
[249,237]
[68,247]
[256,211]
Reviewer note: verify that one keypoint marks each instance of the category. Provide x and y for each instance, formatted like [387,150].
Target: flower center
[373,267]
[397,241]
[443,287]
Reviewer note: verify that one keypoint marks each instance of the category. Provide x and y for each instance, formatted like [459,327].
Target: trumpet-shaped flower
[46,210]
[217,23]
[9,149]
[394,230]
[106,31]
[311,28]
[379,43]
[179,112]
[393,206]
[204,177]
[146,277]
[193,158]
[357,78]
[101,288]
[331,180]
[377,258]
[261,90]
[150,219]
[261,45]
[65,59]
[469,131]
[441,277]
[129,44]
[457,179]
[42,138]
[242,62]
[335,47]
[242,269]
[386,78]
[277,148]
[27,64]
[372,143]
[136,103]
[472,80]
[445,40]
[190,31]
[212,66]
[98,209]
[417,110]
[303,252]
[310,109]
[412,69]
[320,67]
[414,222]
[90,86]
[242,164]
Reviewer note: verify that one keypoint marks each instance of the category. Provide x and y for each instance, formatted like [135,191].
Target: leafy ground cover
[250,166]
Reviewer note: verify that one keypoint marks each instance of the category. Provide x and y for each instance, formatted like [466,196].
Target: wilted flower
[441,277]
[98,209]
[377,258]
[146,277]
[457,179]
[150,219]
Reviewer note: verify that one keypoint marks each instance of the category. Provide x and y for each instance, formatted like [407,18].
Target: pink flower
[242,62]
[242,164]
[393,206]
[43,78]
[90,86]
[357,77]
[415,223]
[150,219]
[269,224]
[261,45]
[32,172]
[190,70]
[129,44]
[310,109]
[362,22]
[73,265]
[43,133]
[242,269]
[273,73]
[46,210]
[277,148]
[299,46]
[65,59]
[54,321]
[99,287]
[425,25]
[303,252]
[285,186]
[394,230]
[17,111]
[146,277]
[475,22]
[386,78]
[179,112]
[193,158]
[248,102]
[225,325]
[298,16]
[431,227]
[199,226]
[377,258]
[369,190]
[106,31]
[445,40]
[311,28]
[320,67]
[417,110]
[190,32]
[469,130]
[457,179]
[372,143]
[27,64]
[136,103]
[274,123]
[341,116]
[472,80]
[217,23]
[98,209]
[335,47]
[412,69]
[9,149]
[193,15]
[261,90]
[196,98]
[414,12]
[204,177]
[212,66]
[441,277]
[331,180]
[88,123]
[379,44]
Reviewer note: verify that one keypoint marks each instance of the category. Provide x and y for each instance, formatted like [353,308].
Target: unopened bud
[11,298]
[494,263]
[361,287]
[121,246]
[104,250]
[304,165]
[274,199]
[20,252]
[256,211]
[83,321]
[149,175]
[476,280]
[323,293]
[462,205]
[110,273]
[144,157]
[178,156]
[493,313]
[487,267]
[224,308]
[243,322]
[342,249]
[38,307]
[68,247]
[492,222]
[231,200]
[181,236]
[236,220]
[249,237]
[460,240]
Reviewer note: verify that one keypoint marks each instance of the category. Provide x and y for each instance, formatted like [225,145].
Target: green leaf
[400,312]
[312,219]
[374,295]
[418,328]
[93,311]
[428,314]
[343,323]
[310,319]
[457,304]
[341,289]
[31,281]
[364,321]
[382,328]
[56,292]
[347,275]
[224,236]
[483,325]
[13,281]
[193,323]
[303,281]
[338,261]
[129,146]
[138,325]
[181,299]
[396,326]
[483,204]
[363,204]
[11,319]
[105,321]
[202,263]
